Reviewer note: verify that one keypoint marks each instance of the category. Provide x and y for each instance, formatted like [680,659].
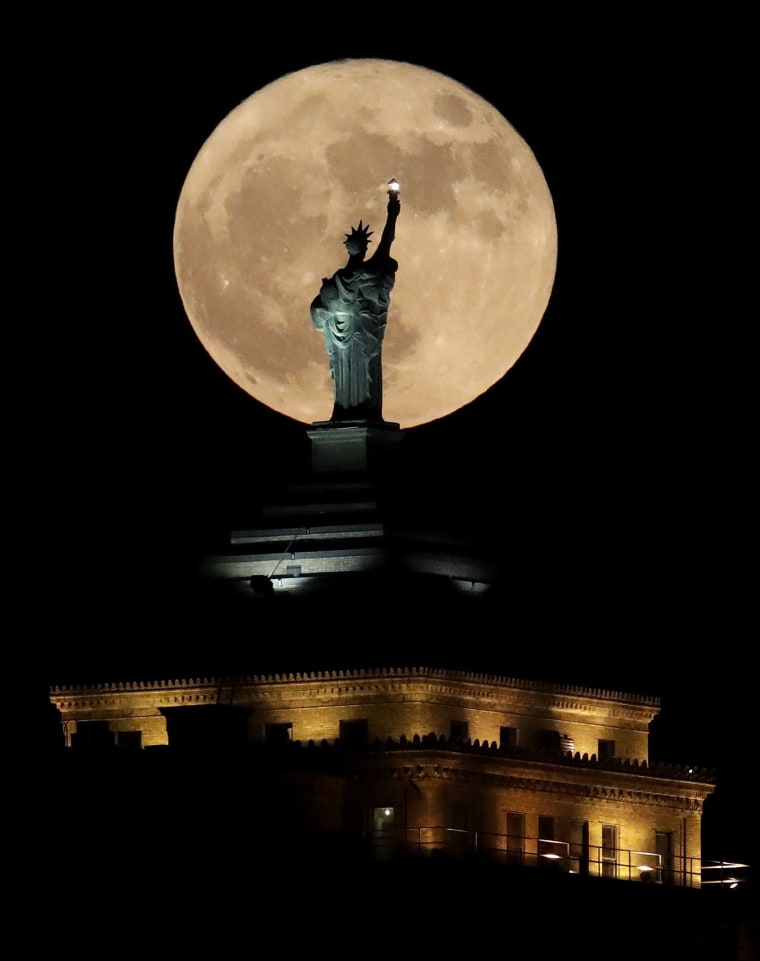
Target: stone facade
[430,761]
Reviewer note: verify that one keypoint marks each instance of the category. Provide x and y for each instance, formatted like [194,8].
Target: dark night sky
[619,445]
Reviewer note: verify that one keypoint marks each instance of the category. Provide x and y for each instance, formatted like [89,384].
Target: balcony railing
[646,867]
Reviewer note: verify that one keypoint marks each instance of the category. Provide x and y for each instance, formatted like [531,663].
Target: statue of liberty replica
[351,311]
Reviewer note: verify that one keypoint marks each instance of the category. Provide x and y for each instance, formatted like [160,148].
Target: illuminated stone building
[429,762]
[280,747]
[423,760]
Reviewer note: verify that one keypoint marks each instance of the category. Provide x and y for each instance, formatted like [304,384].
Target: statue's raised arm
[351,310]
[389,231]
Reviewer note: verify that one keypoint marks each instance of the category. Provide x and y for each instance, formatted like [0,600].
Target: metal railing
[591,860]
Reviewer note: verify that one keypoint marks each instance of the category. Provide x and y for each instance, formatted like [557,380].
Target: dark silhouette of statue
[351,310]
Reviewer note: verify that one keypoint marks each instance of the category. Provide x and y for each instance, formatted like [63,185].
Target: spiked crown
[358,240]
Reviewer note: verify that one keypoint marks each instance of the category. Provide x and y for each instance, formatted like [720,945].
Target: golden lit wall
[441,787]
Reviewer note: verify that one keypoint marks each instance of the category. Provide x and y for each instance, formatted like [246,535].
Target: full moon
[273,191]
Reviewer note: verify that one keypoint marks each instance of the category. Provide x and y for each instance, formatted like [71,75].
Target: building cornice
[362,682]
[436,757]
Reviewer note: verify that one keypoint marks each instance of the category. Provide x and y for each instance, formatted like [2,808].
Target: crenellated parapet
[702,779]
[482,686]
[364,674]
[669,771]
[394,701]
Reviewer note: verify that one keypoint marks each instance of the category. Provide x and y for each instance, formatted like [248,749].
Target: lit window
[609,850]
[382,819]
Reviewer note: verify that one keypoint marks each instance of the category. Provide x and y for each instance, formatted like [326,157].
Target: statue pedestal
[352,446]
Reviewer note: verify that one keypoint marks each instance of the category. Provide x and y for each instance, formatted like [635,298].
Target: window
[92,736]
[456,816]
[459,731]
[605,749]
[355,733]
[559,841]
[508,737]
[515,837]
[546,827]
[664,850]
[128,740]
[382,819]
[549,849]
[578,846]
[277,735]
[456,826]
[383,835]
[609,850]
[548,742]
